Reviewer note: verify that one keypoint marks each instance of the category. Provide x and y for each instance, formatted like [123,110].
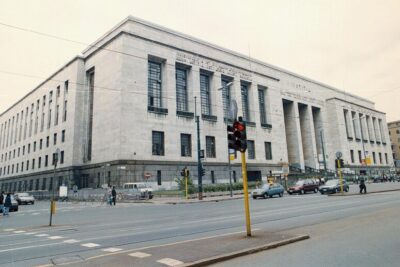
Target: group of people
[5,203]
[111,196]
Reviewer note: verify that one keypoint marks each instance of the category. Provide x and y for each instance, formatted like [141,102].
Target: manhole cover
[69,259]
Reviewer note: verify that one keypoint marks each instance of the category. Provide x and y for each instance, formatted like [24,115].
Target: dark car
[333,186]
[14,204]
[304,186]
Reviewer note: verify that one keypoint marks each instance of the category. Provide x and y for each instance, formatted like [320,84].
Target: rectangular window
[181,90]
[62,157]
[22,166]
[205,94]
[44,180]
[210,147]
[37,184]
[268,150]
[29,148]
[62,136]
[56,118]
[33,164]
[158,177]
[251,154]
[55,139]
[244,90]
[352,155]
[39,162]
[154,84]
[47,141]
[386,158]
[40,143]
[380,157]
[374,157]
[27,165]
[186,145]
[359,156]
[226,96]
[65,110]
[34,146]
[158,143]
[261,103]
[46,160]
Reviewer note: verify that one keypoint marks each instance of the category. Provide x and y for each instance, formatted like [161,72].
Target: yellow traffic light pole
[340,175]
[186,183]
[246,194]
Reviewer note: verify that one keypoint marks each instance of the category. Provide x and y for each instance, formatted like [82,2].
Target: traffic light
[184,172]
[237,137]
[341,163]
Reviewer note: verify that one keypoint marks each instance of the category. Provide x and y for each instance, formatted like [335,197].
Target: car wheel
[290,193]
[265,195]
[280,194]
[254,197]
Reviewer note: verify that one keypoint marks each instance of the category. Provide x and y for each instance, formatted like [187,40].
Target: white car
[144,190]
[24,198]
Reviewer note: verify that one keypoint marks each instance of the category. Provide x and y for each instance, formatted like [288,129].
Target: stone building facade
[124,111]
[394,133]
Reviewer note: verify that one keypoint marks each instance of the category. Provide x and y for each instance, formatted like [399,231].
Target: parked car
[137,190]
[268,190]
[333,186]
[304,186]
[14,204]
[24,198]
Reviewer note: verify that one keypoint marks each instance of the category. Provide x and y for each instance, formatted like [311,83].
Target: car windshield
[23,195]
[332,182]
[299,182]
[265,186]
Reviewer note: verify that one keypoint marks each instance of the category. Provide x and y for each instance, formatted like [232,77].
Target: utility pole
[323,152]
[199,167]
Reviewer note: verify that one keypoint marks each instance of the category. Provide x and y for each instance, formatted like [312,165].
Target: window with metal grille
[210,147]
[352,155]
[181,90]
[158,143]
[154,84]
[186,145]
[251,153]
[380,158]
[205,94]
[268,150]
[226,97]
[261,103]
[244,89]
[90,75]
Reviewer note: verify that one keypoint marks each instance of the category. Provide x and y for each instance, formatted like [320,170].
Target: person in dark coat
[7,204]
[114,195]
[2,201]
[363,187]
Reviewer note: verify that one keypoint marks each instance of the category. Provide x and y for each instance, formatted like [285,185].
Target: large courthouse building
[124,111]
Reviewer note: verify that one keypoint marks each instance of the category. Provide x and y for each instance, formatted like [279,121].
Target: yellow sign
[368,161]
[231,156]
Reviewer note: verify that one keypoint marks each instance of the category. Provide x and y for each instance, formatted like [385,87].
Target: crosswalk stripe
[90,245]
[139,255]
[41,235]
[112,249]
[19,232]
[70,241]
[170,262]
[55,237]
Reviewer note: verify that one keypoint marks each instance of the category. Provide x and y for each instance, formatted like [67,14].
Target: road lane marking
[170,262]
[140,255]
[41,235]
[9,230]
[90,245]
[71,241]
[19,232]
[112,249]
[31,233]
[55,237]
[36,213]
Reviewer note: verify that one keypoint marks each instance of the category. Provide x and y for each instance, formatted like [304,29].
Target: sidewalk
[197,252]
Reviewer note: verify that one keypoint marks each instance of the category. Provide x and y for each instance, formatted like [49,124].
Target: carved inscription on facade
[302,98]
[212,66]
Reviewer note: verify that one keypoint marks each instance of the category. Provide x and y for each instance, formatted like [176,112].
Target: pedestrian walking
[2,202]
[114,195]
[7,205]
[363,187]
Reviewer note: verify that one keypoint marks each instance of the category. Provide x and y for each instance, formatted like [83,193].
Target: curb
[358,194]
[201,201]
[228,256]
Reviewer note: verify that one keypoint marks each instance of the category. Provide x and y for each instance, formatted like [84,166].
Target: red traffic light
[239,126]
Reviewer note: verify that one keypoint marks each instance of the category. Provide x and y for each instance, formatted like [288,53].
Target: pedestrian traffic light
[237,137]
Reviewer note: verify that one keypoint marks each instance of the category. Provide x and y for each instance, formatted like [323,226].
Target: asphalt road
[86,230]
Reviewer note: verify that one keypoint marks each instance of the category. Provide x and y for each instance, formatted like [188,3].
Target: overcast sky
[351,45]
